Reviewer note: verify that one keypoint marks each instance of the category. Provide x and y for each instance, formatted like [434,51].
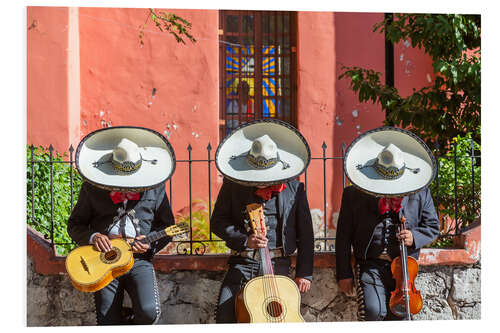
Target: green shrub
[39,198]
[200,233]
[468,210]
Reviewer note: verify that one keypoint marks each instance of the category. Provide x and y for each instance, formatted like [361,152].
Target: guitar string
[265,268]
[267,272]
[276,305]
[268,280]
[273,287]
[269,295]
[271,283]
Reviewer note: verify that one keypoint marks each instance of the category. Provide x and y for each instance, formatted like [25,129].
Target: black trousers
[374,286]
[140,284]
[242,270]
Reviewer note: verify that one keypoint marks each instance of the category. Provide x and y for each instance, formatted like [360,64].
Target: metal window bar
[455,190]
[200,247]
[51,150]
[259,33]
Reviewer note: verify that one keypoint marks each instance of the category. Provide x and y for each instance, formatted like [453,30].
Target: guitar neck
[265,261]
[154,236]
[171,231]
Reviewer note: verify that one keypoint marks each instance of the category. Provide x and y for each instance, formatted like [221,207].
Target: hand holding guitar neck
[256,241]
[138,245]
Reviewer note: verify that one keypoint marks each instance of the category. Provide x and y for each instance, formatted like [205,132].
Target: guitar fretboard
[154,236]
[265,261]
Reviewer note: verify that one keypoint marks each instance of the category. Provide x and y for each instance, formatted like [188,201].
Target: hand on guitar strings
[303,284]
[407,236]
[256,241]
[101,242]
[139,247]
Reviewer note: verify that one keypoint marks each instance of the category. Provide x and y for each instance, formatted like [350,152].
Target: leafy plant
[169,22]
[467,192]
[200,231]
[451,105]
[39,193]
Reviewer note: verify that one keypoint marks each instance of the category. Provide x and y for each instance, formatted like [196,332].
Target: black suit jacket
[95,210]
[227,221]
[359,215]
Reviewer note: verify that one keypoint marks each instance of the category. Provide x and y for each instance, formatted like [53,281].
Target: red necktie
[266,192]
[387,204]
[118,197]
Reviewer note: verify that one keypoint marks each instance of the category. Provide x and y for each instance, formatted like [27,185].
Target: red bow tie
[266,192]
[118,197]
[387,204]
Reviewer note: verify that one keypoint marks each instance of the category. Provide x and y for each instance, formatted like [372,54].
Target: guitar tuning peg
[247,224]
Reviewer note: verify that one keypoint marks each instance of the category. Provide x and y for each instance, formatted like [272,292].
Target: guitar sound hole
[274,309]
[111,255]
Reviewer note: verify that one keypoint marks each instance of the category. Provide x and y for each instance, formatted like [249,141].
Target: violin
[405,299]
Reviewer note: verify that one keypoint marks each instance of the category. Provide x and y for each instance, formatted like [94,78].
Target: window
[257,67]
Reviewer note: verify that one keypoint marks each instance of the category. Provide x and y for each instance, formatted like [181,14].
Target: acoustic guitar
[268,298]
[91,270]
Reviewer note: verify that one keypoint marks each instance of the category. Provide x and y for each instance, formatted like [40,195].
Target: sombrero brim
[364,150]
[292,149]
[98,147]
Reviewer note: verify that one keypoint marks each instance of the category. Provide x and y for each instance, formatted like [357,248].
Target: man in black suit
[284,203]
[383,192]
[123,196]
[89,223]
[364,227]
[290,228]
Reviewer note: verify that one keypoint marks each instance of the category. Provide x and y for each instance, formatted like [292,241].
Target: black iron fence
[453,218]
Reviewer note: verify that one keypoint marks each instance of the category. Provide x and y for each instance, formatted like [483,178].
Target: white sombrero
[389,162]
[125,158]
[263,152]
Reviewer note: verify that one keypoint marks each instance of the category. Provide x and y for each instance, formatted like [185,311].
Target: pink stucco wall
[316,54]
[47,77]
[118,77]
[328,110]
[87,70]
[412,68]
[356,45]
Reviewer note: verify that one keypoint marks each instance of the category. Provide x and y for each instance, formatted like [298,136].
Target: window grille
[257,67]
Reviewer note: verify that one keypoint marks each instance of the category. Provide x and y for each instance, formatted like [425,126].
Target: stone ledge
[467,250]
[46,263]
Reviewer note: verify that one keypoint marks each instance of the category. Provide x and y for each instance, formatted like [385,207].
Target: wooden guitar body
[282,305]
[91,270]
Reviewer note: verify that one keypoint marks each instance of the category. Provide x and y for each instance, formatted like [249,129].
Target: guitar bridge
[84,264]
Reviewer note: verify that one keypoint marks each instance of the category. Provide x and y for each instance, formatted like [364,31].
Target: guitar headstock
[177,229]
[256,218]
